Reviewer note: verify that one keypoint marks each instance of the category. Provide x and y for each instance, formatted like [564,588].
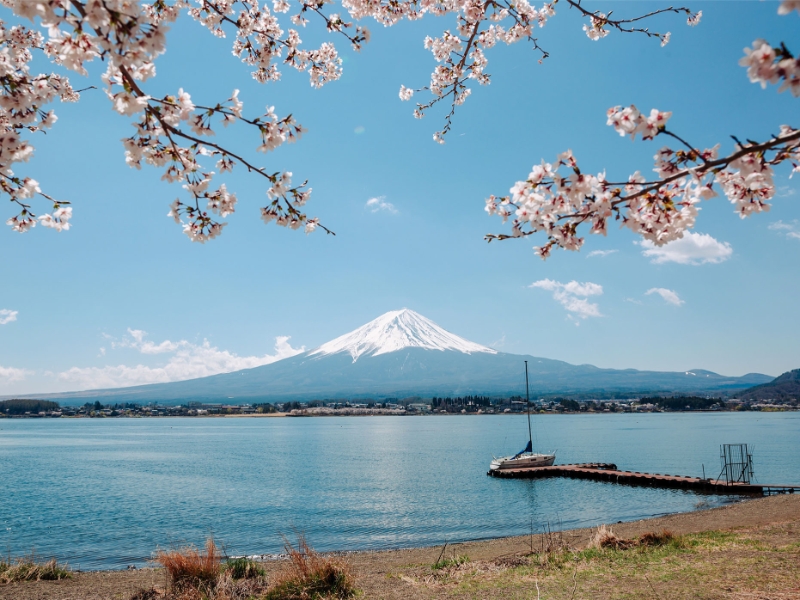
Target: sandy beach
[746,550]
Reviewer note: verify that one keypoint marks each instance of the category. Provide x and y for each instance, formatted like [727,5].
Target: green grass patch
[444,563]
[244,568]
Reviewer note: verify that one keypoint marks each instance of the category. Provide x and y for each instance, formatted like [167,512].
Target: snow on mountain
[394,331]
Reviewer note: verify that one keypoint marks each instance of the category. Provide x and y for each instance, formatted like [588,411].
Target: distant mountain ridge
[402,354]
[783,387]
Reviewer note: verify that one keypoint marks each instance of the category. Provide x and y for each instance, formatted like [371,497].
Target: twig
[574,583]
[651,586]
[442,553]
[531,535]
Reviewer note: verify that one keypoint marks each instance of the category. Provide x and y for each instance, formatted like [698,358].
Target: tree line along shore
[31,408]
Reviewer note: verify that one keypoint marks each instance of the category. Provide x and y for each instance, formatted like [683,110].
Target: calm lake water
[105,493]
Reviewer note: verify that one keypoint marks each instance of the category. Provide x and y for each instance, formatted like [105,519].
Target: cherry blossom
[461,55]
[556,199]
[694,19]
[174,133]
[171,132]
[788,6]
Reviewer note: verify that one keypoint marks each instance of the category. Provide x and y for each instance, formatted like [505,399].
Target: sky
[124,298]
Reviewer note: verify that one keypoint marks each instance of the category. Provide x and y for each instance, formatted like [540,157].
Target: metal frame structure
[737,463]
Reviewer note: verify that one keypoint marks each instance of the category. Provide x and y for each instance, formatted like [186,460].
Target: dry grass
[653,538]
[658,565]
[605,537]
[29,568]
[148,594]
[195,575]
[189,569]
[245,588]
[311,576]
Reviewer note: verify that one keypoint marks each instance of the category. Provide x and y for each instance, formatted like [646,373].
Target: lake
[105,493]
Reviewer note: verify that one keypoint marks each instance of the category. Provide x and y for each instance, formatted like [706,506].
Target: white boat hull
[526,460]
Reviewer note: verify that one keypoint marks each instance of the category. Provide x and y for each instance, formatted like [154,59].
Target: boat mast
[528,406]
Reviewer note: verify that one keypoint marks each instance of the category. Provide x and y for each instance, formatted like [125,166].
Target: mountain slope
[783,387]
[411,372]
[403,354]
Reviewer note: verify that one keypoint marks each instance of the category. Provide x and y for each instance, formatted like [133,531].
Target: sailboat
[527,458]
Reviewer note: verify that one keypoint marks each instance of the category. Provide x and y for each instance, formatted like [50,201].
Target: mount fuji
[402,354]
[395,331]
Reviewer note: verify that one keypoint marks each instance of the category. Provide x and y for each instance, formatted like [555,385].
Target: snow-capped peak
[394,331]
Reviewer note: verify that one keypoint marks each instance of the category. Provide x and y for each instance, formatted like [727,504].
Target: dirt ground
[752,554]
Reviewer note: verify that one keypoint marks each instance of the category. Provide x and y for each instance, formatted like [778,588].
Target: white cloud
[188,361]
[11,374]
[7,316]
[138,342]
[792,230]
[499,343]
[573,296]
[668,295]
[600,253]
[780,225]
[691,249]
[380,204]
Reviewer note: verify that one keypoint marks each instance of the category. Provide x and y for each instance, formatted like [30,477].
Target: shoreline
[405,573]
[683,522]
[389,413]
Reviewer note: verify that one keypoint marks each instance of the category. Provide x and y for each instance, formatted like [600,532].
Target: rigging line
[528,406]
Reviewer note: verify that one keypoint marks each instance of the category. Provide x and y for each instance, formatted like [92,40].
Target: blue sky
[72,297]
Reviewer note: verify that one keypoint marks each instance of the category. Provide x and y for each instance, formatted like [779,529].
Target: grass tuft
[455,561]
[147,594]
[189,568]
[244,568]
[605,537]
[29,568]
[653,538]
[246,588]
[195,575]
[311,576]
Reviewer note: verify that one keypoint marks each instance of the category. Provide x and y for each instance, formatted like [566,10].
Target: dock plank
[608,472]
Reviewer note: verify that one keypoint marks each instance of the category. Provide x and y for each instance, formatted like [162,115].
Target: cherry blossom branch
[661,210]
[600,20]
[618,23]
[295,216]
[331,24]
[22,98]
[680,139]
[449,80]
[721,163]
[201,227]
[129,36]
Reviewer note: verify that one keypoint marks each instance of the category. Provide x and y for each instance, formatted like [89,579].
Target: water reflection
[106,493]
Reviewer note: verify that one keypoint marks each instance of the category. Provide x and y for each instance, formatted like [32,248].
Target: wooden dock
[608,472]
